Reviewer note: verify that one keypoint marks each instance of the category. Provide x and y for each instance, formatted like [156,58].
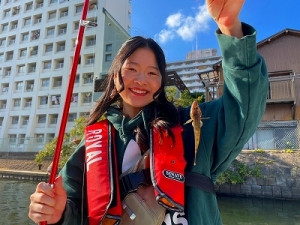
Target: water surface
[14,201]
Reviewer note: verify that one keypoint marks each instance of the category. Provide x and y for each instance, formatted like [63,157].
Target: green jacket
[233,120]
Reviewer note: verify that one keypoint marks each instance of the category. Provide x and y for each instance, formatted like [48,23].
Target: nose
[141,79]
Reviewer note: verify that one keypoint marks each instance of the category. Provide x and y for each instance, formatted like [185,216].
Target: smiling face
[141,78]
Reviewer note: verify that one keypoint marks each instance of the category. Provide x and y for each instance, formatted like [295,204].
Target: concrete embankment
[280,172]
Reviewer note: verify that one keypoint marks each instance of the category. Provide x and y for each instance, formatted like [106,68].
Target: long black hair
[164,113]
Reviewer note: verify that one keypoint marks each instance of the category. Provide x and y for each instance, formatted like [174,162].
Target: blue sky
[177,25]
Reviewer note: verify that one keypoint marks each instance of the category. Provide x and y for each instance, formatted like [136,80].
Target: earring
[113,93]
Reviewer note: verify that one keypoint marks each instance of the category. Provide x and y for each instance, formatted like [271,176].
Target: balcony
[281,89]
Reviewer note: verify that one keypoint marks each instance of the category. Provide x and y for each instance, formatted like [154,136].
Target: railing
[280,89]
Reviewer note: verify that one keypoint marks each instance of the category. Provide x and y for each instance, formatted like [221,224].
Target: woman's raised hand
[46,203]
[226,14]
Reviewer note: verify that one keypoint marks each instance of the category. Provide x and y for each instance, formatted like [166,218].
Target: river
[14,201]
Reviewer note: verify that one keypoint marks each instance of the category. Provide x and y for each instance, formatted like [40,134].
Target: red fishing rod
[83,23]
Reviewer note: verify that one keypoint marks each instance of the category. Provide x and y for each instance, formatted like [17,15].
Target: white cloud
[164,36]
[174,20]
[185,27]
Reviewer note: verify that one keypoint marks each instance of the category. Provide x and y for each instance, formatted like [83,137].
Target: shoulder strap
[199,181]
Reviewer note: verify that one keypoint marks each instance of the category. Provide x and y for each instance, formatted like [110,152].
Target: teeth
[139,91]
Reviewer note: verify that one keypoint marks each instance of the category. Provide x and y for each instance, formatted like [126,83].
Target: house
[280,126]
[282,55]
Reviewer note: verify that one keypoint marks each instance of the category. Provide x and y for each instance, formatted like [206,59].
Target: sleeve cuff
[238,53]
[69,216]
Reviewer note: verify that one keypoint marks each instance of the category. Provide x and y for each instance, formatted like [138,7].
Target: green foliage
[71,140]
[237,173]
[289,145]
[259,150]
[289,150]
[185,99]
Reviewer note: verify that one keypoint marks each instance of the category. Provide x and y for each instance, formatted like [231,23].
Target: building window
[108,48]
[12,40]
[29,6]
[49,48]
[72,117]
[21,69]
[89,60]
[4,27]
[87,97]
[90,41]
[50,31]
[12,138]
[47,65]
[74,97]
[53,119]
[6,13]
[39,5]
[76,26]
[55,99]
[22,136]
[19,85]
[33,51]
[15,120]
[62,30]
[87,78]
[60,47]
[14,25]
[25,37]
[39,138]
[41,118]
[52,15]
[77,78]
[57,82]
[23,52]
[2,42]
[35,35]
[108,57]
[45,82]
[79,8]
[53,1]
[44,100]
[63,13]
[32,68]
[17,102]
[9,55]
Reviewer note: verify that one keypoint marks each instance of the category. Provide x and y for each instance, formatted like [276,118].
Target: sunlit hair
[164,114]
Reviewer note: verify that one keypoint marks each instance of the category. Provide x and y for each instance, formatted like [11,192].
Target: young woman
[135,103]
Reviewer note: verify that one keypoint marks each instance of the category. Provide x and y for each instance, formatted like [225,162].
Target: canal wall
[280,172]
[23,175]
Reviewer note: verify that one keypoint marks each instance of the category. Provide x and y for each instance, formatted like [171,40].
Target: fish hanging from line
[196,119]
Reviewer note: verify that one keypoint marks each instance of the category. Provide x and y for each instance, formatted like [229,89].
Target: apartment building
[37,42]
[196,63]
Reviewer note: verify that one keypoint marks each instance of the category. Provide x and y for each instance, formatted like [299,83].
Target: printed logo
[173,175]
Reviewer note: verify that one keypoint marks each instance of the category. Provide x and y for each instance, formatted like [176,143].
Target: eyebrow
[153,67]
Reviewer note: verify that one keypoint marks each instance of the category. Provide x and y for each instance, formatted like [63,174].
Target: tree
[71,140]
[185,99]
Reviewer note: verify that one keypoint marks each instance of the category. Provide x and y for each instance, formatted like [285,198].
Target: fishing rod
[82,24]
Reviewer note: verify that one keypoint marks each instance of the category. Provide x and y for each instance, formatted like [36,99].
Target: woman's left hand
[226,14]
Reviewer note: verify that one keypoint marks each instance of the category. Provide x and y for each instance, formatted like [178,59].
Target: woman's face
[141,78]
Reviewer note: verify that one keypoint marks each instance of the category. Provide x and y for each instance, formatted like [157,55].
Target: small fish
[196,119]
